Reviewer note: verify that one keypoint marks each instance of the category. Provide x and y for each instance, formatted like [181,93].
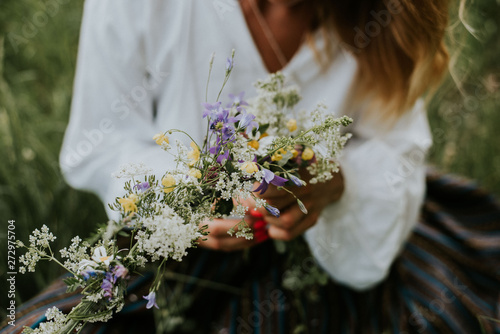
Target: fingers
[228,244]
[292,227]
[292,221]
[280,199]
[218,227]
[219,239]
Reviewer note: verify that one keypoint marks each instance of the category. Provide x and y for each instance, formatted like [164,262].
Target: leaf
[72,288]
[70,280]
[123,233]
[262,129]
[72,283]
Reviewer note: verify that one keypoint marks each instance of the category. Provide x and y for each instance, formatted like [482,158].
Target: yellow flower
[295,153]
[291,125]
[169,183]
[308,154]
[254,144]
[160,138]
[264,135]
[249,167]
[194,155]
[278,155]
[128,203]
[194,172]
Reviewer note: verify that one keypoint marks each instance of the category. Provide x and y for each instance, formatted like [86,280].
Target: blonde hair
[398,45]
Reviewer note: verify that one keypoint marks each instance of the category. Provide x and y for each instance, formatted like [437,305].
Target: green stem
[183,132]
[209,73]
[52,258]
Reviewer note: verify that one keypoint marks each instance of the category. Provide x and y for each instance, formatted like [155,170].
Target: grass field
[38,46]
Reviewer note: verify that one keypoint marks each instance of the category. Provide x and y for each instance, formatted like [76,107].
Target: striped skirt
[446,280]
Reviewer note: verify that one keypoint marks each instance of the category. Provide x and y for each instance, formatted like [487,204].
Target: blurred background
[38,45]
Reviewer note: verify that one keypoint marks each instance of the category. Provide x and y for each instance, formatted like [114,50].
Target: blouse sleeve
[112,119]
[356,239]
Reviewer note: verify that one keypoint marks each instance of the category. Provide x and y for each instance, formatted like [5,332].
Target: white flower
[131,170]
[100,255]
[166,235]
[265,144]
[56,320]
[86,265]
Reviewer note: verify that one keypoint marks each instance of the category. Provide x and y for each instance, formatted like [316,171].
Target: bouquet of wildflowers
[248,146]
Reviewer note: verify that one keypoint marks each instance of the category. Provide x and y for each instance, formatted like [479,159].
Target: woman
[142,69]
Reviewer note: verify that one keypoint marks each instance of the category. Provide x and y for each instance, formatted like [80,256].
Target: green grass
[36,77]
[35,93]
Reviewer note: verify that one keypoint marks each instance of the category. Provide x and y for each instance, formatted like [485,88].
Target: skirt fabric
[446,280]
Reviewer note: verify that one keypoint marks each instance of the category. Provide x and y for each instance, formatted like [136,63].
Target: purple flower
[223,156]
[237,100]
[272,210]
[218,149]
[219,119]
[120,271]
[107,285]
[246,121]
[229,64]
[227,132]
[151,298]
[296,180]
[270,178]
[111,277]
[142,186]
[211,108]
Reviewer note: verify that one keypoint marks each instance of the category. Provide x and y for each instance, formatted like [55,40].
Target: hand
[292,221]
[219,239]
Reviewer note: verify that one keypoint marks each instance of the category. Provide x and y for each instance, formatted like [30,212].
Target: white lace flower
[131,170]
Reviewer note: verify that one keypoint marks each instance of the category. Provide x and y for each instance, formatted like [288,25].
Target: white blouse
[142,69]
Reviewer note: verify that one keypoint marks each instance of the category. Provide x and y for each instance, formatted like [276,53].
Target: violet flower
[219,118]
[217,149]
[151,298]
[296,180]
[237,100]
[223,156]
[229,64]
[211,108]
[120,271]
[107,285]
[246,121]
[272,210]
[142,187]
[270,178]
